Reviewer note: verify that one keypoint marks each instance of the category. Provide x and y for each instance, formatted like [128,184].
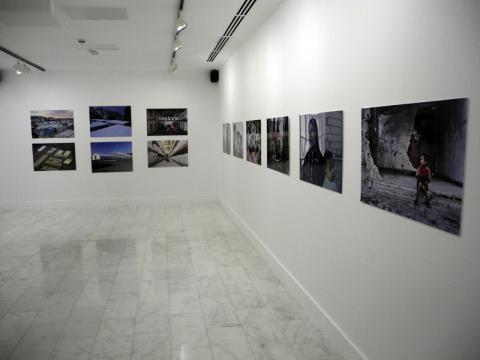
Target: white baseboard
[335,335]
[81,203]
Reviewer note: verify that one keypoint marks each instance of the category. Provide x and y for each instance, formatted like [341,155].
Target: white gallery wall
[394,288]
[77,91]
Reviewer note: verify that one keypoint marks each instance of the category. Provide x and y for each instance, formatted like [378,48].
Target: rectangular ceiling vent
[237,19]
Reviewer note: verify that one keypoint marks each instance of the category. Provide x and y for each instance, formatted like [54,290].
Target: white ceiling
[144,40]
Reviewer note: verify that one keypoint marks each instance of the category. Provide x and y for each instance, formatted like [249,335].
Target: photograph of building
[167,122]
[278,146]
[52,124]
[413,160]
[238,139]
[321,149]
[111,156]
[254,141]
[167,153]
[54,157]
[110,121]
[227,139]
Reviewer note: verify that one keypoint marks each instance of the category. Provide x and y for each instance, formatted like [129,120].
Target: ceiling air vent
[237,19]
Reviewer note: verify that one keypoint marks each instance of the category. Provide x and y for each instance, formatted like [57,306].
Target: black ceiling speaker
[214,76]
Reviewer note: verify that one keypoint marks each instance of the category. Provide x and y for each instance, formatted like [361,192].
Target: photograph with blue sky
[111,156]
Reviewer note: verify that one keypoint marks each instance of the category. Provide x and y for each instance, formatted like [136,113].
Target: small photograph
[54,157]
[111,156]
[278,148]
[238,139]
[110,121]
[227,140]
[254,141]
[321,149]
[167,153]
[52,124]
[167,122]
[413,160]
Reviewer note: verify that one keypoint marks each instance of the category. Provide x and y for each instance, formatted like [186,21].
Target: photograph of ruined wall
[167,153]
[254,141]
[167,122]
[110,121]
[278,148]
[413,160]
[227,140]
[321,149]
[52,124]
[53,157]
[238,139]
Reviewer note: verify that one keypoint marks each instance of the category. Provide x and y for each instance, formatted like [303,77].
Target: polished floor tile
[172,282]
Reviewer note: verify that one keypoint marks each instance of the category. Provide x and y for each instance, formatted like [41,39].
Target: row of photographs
[412,159]
[108,121]
[116,156]
[321,146]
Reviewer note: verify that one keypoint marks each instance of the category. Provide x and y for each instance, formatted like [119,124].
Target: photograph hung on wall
[254,141]
[113,156]
[321,149]
[227,140]
[52,124]
[413,160]
[110,121]
[167,153]
[278,148]
[167,122]
[54,157]
[238,139]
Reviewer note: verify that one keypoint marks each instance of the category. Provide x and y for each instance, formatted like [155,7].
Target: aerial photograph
[53,157]
[52,124]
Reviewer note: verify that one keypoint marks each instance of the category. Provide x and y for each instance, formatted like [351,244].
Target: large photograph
[227,139]
[238,139]
[278,148]
[54,157]
[321,149]
[413,160]
[111,156]
[254,141]
[52,124]
[167,122]
[110,121]
[167,153]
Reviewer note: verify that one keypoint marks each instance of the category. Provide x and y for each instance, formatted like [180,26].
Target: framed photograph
[52,124]
[54,157]
[278,147]
[254,141]
[167,153]
[111,156]
[321,149]
[227,139]
[413,160]
[110,121]
[167,122]
[238,139]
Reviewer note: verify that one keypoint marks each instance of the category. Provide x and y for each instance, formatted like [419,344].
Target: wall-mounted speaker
[214,76]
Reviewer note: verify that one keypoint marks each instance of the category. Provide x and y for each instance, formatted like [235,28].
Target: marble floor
[143,282]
